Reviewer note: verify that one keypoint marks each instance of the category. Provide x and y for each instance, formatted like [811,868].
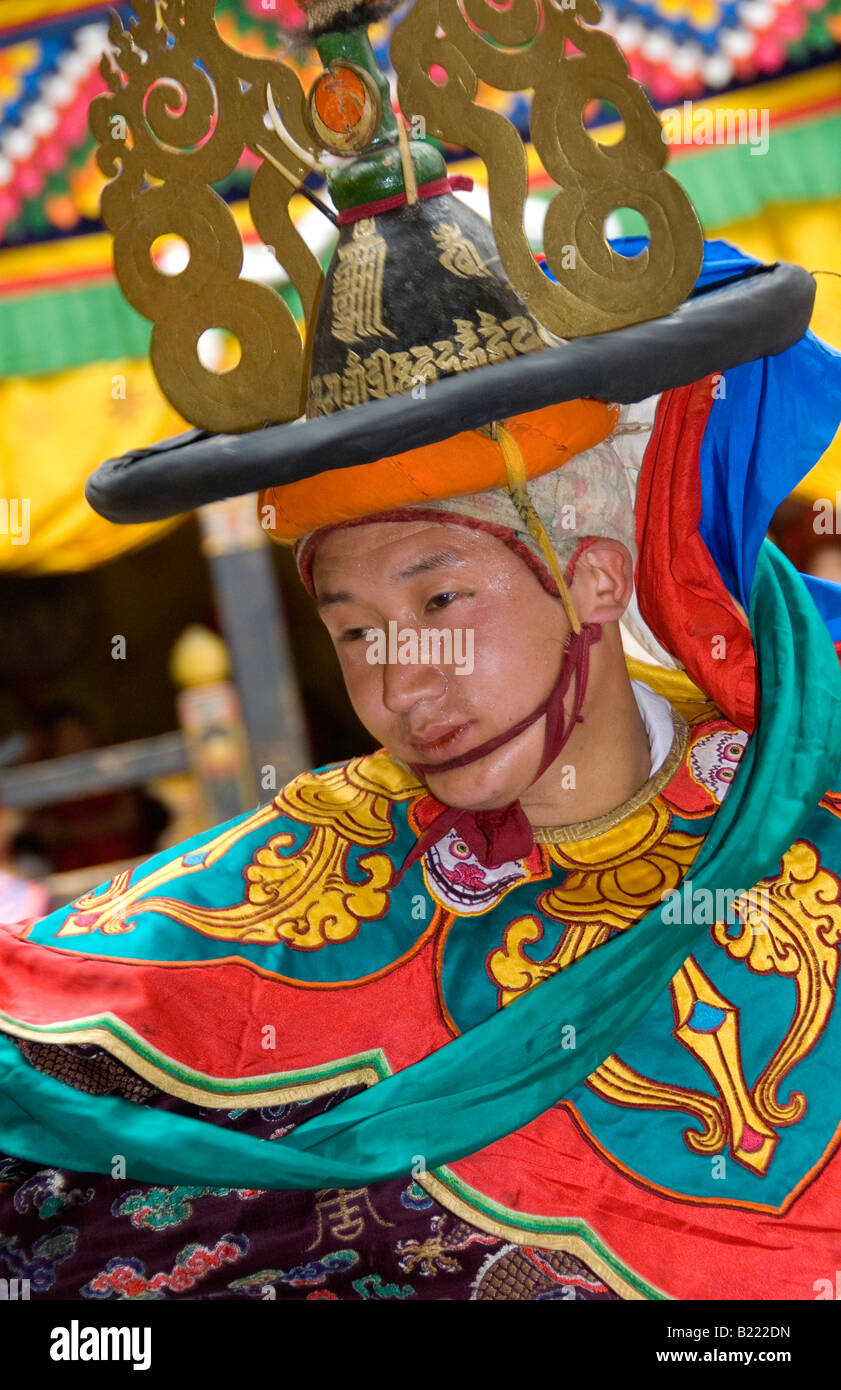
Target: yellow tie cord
[515,470]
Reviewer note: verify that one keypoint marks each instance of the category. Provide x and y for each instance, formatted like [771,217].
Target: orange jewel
[340,99]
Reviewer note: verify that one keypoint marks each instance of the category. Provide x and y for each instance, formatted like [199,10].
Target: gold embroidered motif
[358,285]
[438,1251]
[616,878]
[458,253]
[353,800]
[788,925]
[305,898]
[111,911]
[799,939]
[343,1212]
[613,879]
[510,968]
[708,1026]
[729,1115]
[621,1084]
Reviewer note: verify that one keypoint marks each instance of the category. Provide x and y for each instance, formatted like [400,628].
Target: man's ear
[603,582]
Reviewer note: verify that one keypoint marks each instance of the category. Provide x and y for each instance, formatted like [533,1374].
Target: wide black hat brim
[758,314]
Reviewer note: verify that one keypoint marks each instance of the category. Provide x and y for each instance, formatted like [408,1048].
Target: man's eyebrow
[435,560]
[337,596]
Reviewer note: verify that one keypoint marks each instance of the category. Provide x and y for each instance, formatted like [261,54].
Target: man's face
[421,576]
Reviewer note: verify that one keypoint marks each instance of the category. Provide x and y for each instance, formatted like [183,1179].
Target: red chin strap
[504,833]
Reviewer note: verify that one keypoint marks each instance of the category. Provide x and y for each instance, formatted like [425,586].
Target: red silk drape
[681,594]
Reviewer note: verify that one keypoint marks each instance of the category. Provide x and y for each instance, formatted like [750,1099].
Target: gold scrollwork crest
[442,49]
[181,108]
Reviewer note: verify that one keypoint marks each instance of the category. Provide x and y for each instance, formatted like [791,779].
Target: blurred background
[156,680]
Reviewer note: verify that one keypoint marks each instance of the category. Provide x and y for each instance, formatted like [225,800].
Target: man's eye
[442,600]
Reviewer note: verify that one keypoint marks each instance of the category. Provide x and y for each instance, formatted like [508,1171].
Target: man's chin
[458,790]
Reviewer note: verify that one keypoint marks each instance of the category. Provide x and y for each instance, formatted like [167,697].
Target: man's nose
[404,686]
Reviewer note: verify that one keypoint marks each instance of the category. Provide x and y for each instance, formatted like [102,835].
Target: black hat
[420,330]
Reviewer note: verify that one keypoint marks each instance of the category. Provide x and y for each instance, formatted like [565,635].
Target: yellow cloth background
[54,430]
[28,11]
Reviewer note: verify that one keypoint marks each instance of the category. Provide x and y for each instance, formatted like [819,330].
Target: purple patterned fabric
[87,1236]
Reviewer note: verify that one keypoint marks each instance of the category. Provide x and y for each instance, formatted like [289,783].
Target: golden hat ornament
[429,320]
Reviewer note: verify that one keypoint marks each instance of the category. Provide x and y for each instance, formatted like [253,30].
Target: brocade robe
[267,969]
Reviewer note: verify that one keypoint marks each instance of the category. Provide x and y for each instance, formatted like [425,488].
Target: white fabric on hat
[592,494]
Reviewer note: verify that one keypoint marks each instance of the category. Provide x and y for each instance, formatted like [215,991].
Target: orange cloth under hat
[465,463]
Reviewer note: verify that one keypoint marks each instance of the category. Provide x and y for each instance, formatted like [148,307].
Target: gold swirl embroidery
[615,878]
[798,936]
[707,1025]
[515,972]
[353,800]
[305,898]
[510,968]
[616,1081]
[789,925]
[112,910]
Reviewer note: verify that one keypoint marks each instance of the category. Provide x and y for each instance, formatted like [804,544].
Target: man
[537,1000]
[399,952]
[423,575]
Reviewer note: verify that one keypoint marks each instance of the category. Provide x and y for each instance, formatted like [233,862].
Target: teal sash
[501,1074]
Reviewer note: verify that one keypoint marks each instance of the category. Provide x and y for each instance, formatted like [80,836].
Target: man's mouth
[441,741]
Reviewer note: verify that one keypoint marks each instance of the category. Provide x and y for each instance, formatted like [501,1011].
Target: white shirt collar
[656,714]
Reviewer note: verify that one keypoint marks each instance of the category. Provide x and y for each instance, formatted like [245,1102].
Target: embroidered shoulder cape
[273,962]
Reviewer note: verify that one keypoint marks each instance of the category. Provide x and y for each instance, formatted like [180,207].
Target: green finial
[378,173]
